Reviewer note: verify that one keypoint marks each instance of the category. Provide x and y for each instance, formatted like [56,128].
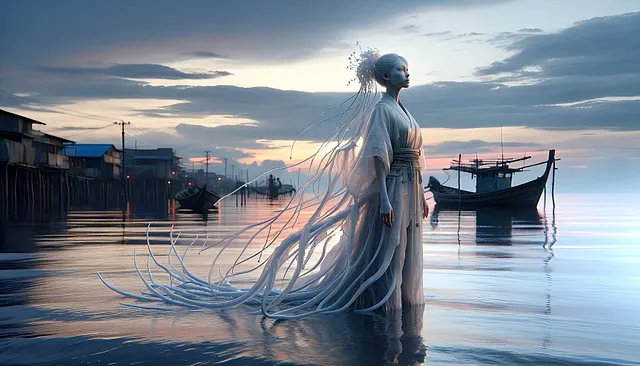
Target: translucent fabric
[343,257]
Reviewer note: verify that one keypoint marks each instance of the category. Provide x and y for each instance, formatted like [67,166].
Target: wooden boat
[264,190]
[493,184]
[197,199]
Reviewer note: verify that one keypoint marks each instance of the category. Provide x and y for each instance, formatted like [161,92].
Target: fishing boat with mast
[493,183]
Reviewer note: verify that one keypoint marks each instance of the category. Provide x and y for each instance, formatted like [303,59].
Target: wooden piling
[5,189]
[459,191]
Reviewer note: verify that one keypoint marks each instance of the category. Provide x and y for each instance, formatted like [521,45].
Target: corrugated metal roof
[86,150]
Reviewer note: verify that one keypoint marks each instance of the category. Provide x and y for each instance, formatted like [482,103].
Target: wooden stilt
[459,192]
[553,184]
[5,189]
[15,191]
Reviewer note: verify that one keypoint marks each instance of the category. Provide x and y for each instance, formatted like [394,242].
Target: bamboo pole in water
[66,180]
[28,196]
[15,190]
[2,190]
[41,191]
[553,183]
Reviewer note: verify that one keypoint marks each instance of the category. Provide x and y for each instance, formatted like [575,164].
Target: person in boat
[278,185]
[273,188]
[361,248]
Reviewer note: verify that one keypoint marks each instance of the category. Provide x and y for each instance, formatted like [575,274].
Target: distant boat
[264,190]
[197,199]
[493,184]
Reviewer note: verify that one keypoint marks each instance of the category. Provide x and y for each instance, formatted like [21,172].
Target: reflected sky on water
[501,287]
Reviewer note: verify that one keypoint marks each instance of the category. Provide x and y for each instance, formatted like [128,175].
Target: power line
[147,136]
[88,132]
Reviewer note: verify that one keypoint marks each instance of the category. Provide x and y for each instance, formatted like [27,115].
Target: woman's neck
[394,93]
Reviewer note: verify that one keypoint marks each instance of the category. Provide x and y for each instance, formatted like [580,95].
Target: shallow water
[539,287]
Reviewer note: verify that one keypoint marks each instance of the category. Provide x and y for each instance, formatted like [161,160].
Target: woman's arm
[386,211]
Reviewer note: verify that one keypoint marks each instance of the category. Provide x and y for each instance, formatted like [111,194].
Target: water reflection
[348,338]
[497,226]
[494,243]
[234,337]
[503,300]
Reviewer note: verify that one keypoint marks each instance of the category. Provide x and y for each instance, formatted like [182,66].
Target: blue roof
[86,150]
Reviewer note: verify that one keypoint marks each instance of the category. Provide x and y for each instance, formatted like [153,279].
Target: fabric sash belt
[407,158]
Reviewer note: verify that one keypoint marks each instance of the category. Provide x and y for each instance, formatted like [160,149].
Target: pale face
[399,75]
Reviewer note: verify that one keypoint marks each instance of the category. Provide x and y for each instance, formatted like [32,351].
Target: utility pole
[124,164]
[206,174]
[225,168]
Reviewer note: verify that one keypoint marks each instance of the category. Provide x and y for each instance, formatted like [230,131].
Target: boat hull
[524,195]
[199,200]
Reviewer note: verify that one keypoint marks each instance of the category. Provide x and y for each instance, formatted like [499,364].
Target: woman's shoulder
[382,106]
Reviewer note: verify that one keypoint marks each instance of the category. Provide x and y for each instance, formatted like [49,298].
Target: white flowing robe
[387,263]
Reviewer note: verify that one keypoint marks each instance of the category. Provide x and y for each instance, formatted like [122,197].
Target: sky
[243,78]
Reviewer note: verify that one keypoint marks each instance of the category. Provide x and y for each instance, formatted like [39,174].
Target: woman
[373,203]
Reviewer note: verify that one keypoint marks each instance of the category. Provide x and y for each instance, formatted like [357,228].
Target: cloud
[437,34]
[464,35]
[203,54]
[76,128]
[473,146]
[412,28]
[573,91]
[507,39]
[450,36]
[550,104]
[598,47]
[72,32]
[133,71]
[222,135]
[530,30]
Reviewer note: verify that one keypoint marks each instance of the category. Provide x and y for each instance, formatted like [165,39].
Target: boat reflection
[494,226]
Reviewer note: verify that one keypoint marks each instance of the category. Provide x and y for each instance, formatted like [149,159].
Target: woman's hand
[386,211]
[425,208]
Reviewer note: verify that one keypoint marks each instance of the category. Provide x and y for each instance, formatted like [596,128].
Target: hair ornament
[364,65]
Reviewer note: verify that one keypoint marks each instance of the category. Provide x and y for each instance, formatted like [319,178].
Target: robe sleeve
[376,143]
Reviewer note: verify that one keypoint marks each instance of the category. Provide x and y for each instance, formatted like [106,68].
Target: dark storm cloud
[604,46]
[133,71]
[72,32]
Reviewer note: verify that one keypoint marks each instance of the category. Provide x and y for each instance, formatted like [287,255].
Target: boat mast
[501,144]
